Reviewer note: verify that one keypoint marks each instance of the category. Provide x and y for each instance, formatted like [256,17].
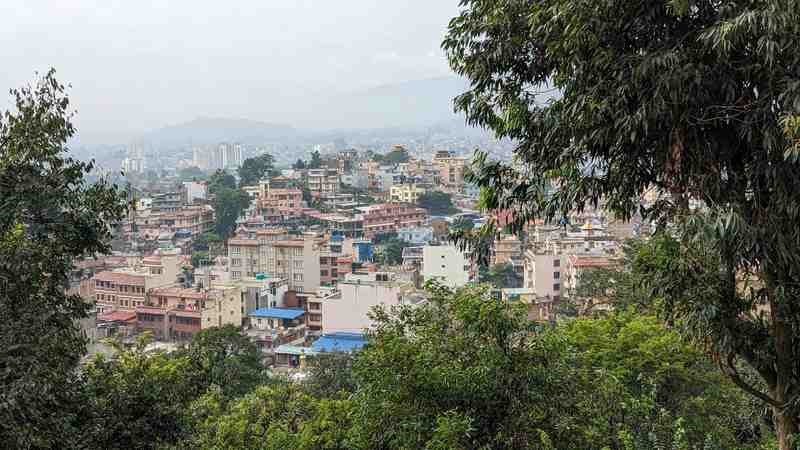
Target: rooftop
[339,342]
[278,313]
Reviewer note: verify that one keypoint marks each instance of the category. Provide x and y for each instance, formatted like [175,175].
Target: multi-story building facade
[406,193]
[126,288]
[225,305]
[447,264]
[347,308]
[279,200]
[543,273]
[389,217]
[172,313]
[297,260]
[323,182]
[451,170]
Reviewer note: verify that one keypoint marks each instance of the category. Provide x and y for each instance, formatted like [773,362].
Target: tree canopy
[697,100]
[49,217]
[437,203]
[397,155]
[254,169]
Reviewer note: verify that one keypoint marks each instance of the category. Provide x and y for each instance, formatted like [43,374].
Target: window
[236,275]
[323,273]
[315,317]
[556,263]
[556,275]
[236,250]
[313,306]
[297,277]
[298,264]
[236,262]
[297,251]
[556,287]
[556,298]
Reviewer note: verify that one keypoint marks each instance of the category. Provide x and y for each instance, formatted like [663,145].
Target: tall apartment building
[278,200]
[543,272]
[297,260]
[323,182]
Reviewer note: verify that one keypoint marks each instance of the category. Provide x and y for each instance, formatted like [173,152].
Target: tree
[191,173]
[205,240]
[391,252]
[254,169]
[199,258]
[136,399]
[316,160]
[299,164]
[695,99]
[330,375]
[228,206]
[462,367]
[220,180]
[224,357]
[462,224]
[49,218]
[502,276]
[397,155]
[437,203]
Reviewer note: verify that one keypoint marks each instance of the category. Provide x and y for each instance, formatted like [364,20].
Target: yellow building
[224,306]
[406,193]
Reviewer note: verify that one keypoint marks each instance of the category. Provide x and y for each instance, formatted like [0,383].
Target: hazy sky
[141,64]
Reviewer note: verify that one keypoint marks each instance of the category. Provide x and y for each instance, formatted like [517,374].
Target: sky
[142,64]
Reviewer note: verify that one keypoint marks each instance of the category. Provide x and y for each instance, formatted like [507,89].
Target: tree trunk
[785,428]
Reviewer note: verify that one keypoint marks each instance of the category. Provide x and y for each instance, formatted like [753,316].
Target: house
[273,327]
[447,264]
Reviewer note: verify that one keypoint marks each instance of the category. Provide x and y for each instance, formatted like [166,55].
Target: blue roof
[278,313]
[339,342]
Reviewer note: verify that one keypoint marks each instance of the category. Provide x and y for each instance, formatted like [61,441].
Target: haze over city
[138,66]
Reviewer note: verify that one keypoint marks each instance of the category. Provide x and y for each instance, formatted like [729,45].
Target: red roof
[118,316]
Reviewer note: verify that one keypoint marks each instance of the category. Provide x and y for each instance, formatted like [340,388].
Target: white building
[348,309]
[195,191]
[543,274]
[447,264]
[415,235]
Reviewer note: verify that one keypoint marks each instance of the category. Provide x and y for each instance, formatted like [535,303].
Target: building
[195,191]
[543,274]
[272,253]
[323,182]
[406,193]
[126,288]
[272,327]
[416,235]
[278,200]
[540,309]
[451,170]
[172,313]
[225,305]
[166,202]
[347,308]
[578,264]
[389,217]
[447,264]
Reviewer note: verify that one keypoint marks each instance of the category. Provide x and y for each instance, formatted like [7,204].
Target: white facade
[445,263]
[416,235]
[195,191]
[358,294]
[544,274]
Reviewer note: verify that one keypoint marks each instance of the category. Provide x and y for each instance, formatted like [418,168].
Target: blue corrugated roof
[278,313]
[339,342]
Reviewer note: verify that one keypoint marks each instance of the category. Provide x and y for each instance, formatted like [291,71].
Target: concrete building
[323,182]
[279,200]
[195,191]
[451,170]
[126,288]
[225,305]
[297,260]
[273,327]
[416,235]
[406,193]
[347,309]
[446,263]
[543,273]
[389,217]
[171,313]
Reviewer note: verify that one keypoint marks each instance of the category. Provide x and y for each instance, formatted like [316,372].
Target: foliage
[136,398]
[397,155]
[462,368]
[221,180]
[502,276]
[330,375]
[273,417]
[437,203]
[390,252]
[254,169]
[224,357]
[200,257]
[205,240]
[694,99]
[462,224]
[315,162]
[299,164]
[228,205]
[49,217]
[190,174]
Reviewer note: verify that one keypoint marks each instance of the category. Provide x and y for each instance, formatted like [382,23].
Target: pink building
[389,217]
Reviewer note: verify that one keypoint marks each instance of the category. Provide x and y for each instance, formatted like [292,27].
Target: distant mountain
[209,131]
